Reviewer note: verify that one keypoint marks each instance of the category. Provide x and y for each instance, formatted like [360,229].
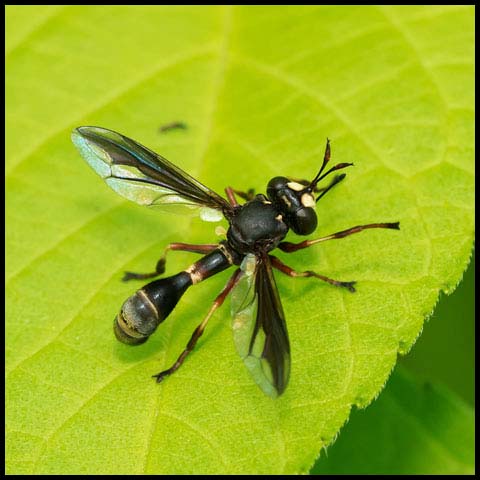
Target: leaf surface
[260,89]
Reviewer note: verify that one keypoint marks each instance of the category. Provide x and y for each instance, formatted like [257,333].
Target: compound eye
[304,221]
[275,185]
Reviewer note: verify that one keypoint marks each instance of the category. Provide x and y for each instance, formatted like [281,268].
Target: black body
[255,228]
[148,307]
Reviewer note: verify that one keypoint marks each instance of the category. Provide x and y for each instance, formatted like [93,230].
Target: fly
[256,227]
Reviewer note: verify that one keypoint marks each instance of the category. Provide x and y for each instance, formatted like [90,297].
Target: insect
[256,227]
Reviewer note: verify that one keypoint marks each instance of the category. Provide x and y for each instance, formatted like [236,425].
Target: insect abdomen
[141,313]
[148,307]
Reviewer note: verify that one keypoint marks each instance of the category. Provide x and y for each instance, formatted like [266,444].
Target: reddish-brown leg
[160,268]
[248,195]
[279,265]
[199,330]
[231,192]
[293,247]
[231,196]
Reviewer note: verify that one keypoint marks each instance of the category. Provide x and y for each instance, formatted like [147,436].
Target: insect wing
[140,175]
[259,328]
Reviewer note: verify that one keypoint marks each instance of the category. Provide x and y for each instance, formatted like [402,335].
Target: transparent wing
[259,328]
[140,175]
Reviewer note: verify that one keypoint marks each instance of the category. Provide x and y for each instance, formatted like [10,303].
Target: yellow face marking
[286,200]
[308,200]
[279,217]
[295,186]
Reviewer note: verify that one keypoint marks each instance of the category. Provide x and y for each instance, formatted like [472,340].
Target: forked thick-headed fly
[256,227]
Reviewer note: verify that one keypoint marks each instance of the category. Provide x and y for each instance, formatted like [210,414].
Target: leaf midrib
[218,82]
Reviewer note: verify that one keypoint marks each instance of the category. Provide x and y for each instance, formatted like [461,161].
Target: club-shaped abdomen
[141,313]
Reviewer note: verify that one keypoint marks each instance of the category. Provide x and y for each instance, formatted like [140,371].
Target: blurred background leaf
[260,88]
[379,441]
[445,352]
[412,429]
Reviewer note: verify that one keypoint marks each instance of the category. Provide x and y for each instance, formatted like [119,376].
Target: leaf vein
[116,94]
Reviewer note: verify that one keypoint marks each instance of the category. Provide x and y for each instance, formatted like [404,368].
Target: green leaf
[260,89]
[412,429]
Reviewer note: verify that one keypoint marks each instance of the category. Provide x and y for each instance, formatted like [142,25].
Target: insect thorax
[256,226]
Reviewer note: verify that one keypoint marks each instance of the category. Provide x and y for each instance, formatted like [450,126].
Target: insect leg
[160,268]
[199,330]
[292,247]
[231,196]
[279,265]
[248,195]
